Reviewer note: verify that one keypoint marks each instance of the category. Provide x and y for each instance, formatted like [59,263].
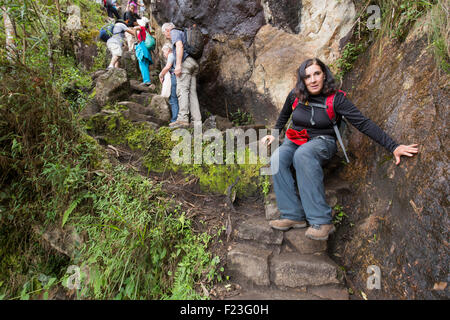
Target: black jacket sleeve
[286,111]
[345,107]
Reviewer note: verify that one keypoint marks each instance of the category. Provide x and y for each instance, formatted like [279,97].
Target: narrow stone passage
[276,265]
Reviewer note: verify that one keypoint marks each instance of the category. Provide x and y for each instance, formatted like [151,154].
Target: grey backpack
[194,41]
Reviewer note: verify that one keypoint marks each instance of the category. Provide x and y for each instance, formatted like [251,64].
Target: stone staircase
[270,264]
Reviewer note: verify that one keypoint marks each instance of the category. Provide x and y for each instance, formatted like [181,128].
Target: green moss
[93,93]
[113,127]
[88,36]
[91,149]
[218,177]
[158,148]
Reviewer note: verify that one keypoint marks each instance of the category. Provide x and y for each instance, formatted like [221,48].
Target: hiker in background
[173,99]
[186,70]
[310,144]
[132,6]
[111,8]
[142,53]
[131,20]
[141,5]
[115,43]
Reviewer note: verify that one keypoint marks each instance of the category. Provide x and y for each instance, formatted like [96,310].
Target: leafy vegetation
[348,56]
[241,118]
[397,19]
[133,242]
[439,36]
[399,16]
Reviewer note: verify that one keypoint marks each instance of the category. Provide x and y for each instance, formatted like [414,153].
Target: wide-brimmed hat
[142,22]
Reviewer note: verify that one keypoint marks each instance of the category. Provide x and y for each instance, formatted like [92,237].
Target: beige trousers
[187,91]
[130,41]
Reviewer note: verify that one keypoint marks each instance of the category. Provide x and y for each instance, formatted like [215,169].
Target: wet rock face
[400,212]
[253,48]
[283,14]
[233,17]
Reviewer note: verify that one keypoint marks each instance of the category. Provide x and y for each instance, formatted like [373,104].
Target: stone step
[296,239]
[274,294]
[297,270]
[330,292]
[270,206]
[249,264]
[258,229]
[327,292]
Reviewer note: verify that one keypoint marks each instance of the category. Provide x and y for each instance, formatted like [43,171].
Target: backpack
[194,41]
[329,107]
[106,31]
[150,41]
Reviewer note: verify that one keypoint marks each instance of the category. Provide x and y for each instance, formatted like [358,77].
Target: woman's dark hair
[329,84]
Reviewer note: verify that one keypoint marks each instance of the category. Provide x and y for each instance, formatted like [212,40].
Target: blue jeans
[173,99]
[307,160]
[145,72]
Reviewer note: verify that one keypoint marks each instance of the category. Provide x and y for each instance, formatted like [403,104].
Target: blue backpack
[106,31]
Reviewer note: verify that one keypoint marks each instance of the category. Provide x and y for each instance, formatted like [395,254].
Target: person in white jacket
[169,68]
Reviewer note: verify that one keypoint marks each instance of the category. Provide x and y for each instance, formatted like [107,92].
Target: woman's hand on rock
[267,139]
[403,150]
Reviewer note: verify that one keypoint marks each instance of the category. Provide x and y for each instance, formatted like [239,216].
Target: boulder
[136,107]
[160,108]
[134,116]
[139,113]
[143,98]
[111,86]
[90,109]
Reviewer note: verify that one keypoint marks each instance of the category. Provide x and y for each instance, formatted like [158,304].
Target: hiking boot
[179,124]
[286,224]
[320,232]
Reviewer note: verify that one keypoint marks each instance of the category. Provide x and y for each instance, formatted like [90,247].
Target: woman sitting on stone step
[310,144]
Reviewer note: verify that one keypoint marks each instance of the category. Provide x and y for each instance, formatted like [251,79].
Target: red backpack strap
[330,105]
[294,105]
[330,108]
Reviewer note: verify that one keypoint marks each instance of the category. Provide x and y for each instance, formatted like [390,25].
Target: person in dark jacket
[111,8]
[311,143]
[130,19]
